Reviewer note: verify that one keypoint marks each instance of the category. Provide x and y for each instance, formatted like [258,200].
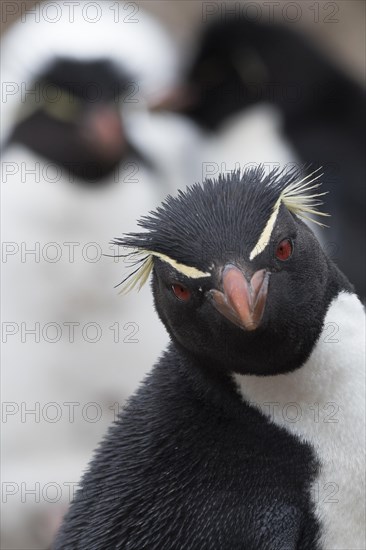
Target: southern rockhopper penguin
[249,431]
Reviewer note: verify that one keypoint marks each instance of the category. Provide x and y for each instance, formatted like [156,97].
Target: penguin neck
[212,385]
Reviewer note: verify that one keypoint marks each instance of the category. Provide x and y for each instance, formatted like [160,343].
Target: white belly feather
[323,403]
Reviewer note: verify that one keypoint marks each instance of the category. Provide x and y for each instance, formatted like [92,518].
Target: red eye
[181,292]
[284,250]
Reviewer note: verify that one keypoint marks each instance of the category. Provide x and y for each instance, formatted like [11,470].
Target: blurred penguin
[76,173]
[74,118]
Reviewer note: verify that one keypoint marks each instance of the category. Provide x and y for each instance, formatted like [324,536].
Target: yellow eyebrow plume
[297,201]
[140,275]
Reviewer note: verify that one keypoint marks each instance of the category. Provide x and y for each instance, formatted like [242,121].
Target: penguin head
[73,118]
[239,280]
[240,63]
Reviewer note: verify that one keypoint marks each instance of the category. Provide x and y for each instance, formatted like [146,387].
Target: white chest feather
[323,403]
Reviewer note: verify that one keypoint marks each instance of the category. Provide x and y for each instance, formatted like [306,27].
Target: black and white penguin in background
[250,430]
[75,119]
[75,171]
[318,109]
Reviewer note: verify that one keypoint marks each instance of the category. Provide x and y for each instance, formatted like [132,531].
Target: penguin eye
[284,250]
[181,292]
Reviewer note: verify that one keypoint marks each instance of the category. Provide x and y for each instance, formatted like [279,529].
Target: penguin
[76,121]
[249,430]
[240,65]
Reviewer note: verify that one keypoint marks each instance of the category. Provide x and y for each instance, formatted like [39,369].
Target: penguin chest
[323,404]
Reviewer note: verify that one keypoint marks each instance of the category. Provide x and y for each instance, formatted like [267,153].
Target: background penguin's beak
[104,132]
[241,302]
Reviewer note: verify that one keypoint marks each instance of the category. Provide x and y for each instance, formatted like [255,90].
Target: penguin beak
[104,132]
[241,302]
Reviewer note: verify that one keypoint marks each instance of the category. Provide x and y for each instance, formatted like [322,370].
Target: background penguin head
[239,281]
[239,63]
[74,118]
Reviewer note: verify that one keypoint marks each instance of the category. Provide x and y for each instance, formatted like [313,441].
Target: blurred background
[106,108]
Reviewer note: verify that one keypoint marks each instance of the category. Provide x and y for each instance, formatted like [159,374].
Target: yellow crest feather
[141,274]
[297,201]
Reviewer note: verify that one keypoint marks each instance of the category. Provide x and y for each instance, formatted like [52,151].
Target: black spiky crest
[193,229]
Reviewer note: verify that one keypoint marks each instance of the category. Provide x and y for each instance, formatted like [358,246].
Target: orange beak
[241,302]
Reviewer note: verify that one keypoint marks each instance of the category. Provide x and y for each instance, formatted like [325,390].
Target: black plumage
[188,464]
[187,467]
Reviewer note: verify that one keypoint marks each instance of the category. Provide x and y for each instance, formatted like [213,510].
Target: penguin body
[190,466]
[195,461]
